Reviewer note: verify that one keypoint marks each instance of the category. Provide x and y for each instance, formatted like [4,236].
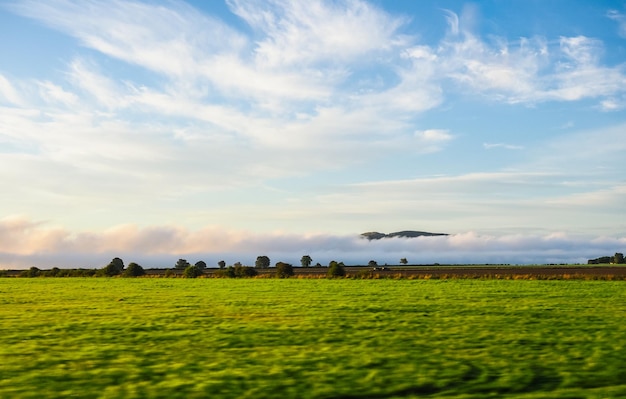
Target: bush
[284,270]
[54,272]
[228,272]
[192,272]
[32,272]
[245,271]
[336,269]
[237,271]
[134,270]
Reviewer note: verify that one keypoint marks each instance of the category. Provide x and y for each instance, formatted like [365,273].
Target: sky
[210,130]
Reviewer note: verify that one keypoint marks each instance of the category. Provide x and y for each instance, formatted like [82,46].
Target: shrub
[228,272]
[336,269]
[54,272]
[32,272]
[192,272]
[284,270]
[134,270]
[245,271]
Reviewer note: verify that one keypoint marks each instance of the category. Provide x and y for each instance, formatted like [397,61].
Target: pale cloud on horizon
[25,243]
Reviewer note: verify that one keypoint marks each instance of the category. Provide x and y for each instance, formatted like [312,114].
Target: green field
[309,338]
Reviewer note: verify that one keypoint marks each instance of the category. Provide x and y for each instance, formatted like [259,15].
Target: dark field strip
[566,272]
[312,338]
[612,272]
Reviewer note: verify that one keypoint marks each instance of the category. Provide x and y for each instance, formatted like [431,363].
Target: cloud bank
[24,243]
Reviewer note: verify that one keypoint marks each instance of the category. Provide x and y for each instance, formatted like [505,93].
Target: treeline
[185,269]
[618,259]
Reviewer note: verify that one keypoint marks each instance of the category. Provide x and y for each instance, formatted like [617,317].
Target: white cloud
[491,146]
[24,243]
[613,104]
[129,30]
[296,33]
[8,92]
[432,140]
[453,22]
[55,94]
[530,70]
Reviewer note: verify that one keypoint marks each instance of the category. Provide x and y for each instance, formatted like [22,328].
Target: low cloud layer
[25,243]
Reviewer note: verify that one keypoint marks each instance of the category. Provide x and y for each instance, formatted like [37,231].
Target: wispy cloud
[318,33]
[530,70]
[613,104]
[491,146]
[8,93]
[620,18]
[432,140]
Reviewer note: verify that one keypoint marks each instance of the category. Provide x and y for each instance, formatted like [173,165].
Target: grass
[309,338]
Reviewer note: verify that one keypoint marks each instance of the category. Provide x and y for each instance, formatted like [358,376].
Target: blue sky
[153,130]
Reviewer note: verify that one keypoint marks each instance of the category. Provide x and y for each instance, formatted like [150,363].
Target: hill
[374,235]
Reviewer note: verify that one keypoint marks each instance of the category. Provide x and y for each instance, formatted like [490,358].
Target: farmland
[312,338]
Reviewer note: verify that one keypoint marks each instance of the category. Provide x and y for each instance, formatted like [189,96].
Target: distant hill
[374,235]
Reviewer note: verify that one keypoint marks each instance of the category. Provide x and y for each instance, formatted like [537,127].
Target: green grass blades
[306,338]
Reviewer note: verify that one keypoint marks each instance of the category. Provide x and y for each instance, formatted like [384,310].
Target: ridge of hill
[374,235]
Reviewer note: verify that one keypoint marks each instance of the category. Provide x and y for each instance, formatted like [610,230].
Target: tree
[221,264]
[181,264]
[404,261]
[134,270]
[115,267]
[306,261]
[200,264]
[284,270]
[262,262]
[618,258]
[372,263]
[336,269]
[192,271]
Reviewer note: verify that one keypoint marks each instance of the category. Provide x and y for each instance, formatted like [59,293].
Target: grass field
[310,338]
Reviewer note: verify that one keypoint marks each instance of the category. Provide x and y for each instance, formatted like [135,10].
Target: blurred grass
[301,338]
